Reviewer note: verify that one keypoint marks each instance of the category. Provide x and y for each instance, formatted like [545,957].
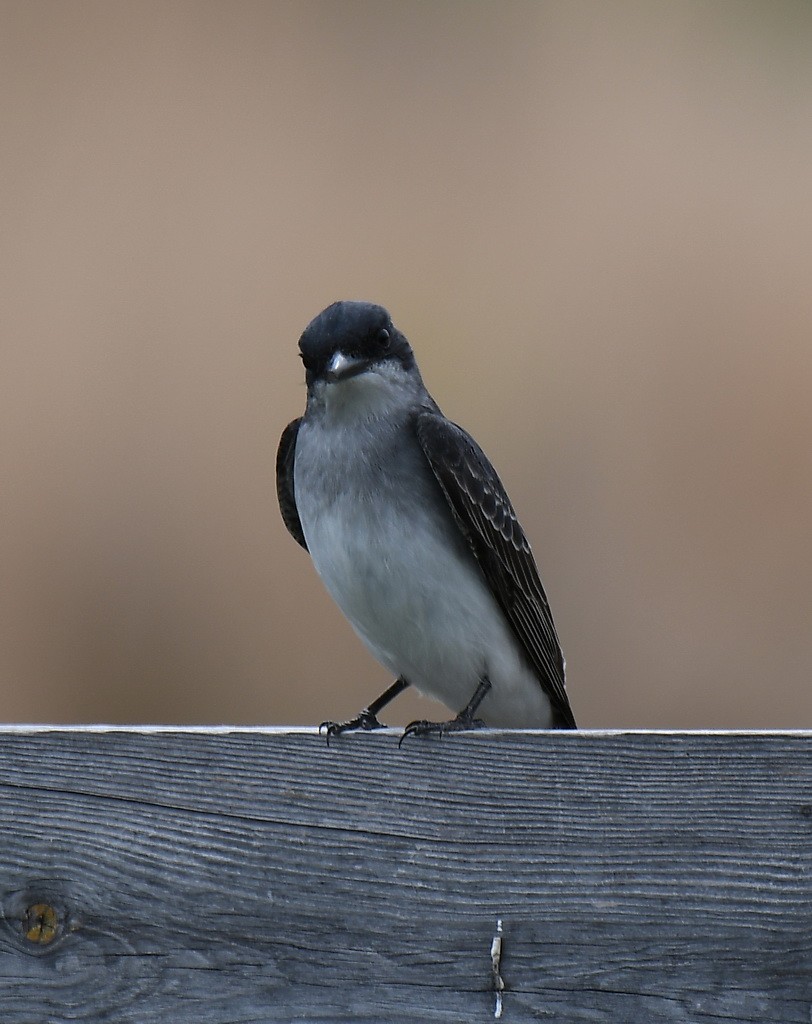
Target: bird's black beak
[342,367]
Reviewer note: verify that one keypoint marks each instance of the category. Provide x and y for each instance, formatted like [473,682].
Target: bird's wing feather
[284,482]
[485,516]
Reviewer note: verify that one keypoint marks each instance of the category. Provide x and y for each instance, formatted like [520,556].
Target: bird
[414,537]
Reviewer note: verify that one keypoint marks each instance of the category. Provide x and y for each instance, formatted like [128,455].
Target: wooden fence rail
[248,876]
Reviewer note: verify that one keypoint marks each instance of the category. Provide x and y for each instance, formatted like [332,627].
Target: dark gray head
[349,338]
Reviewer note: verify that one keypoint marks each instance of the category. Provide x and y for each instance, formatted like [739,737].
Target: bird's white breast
[385,545]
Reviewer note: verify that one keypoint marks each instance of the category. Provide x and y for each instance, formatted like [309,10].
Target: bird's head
[354,340]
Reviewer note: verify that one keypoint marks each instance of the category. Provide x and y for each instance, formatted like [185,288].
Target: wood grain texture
[261,877]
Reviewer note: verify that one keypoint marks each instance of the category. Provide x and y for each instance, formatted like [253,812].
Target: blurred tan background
[593,221]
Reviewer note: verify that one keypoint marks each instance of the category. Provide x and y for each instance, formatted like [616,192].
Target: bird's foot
[462,723]
[366,721]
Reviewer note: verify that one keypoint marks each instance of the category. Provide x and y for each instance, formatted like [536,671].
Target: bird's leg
[464,720]
[368,718]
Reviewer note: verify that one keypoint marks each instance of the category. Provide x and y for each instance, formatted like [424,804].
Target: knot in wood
[41,923]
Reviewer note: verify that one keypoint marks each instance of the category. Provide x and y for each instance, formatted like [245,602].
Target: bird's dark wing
[284,482]
[486,518]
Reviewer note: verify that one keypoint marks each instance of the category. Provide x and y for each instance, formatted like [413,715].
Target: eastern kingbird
[413,535]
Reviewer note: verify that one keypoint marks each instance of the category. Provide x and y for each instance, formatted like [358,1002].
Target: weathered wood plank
[262,876]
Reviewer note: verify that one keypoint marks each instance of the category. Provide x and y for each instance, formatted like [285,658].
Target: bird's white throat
[379,393]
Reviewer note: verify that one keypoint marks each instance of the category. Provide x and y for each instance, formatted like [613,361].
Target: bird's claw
[422,727]
[366,721]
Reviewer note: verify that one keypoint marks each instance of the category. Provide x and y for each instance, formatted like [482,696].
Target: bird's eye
[384,340]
